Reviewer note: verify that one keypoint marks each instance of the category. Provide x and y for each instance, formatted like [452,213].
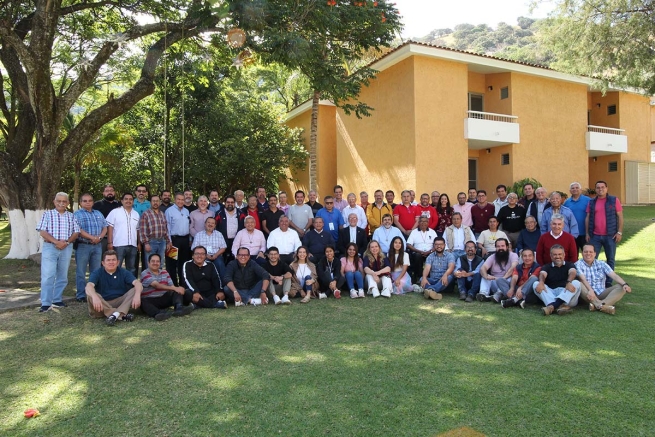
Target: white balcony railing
[486,129]
[605,141]
[605,130]
[492,117]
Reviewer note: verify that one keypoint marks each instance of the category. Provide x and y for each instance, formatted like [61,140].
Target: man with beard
[165,201]
[105,206]
[464,208]
[229,221]
[438,271]
[556,207]
[141,202]
[262,204]
[332,218]
[520,288]
[385,234]
[420,245]
[271,216]
[188,201]
[557,286]
[467,272]
[428,211]
[214,205]
[498,268]
[178,222]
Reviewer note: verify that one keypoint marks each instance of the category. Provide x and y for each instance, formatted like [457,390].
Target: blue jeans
[54,272]
[86,255]
[220,266]
[127,253]
[246,295]
[158,246]
[352,277]
[609,245]
[470,285]
[436,285]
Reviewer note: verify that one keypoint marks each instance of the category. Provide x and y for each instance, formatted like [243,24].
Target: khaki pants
[609,296]
[120,304]
[278,289]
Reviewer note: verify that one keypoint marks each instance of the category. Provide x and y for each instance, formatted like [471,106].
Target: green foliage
[517,187]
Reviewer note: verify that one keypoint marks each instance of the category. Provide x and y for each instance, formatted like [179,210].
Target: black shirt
[279,269]
[512,219]
[271,218]
[202,279]
[557,276]
[315,207]
[245,277]
[191,208]
[106,207]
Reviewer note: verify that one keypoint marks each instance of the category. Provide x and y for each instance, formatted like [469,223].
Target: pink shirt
[465,210]
[600,222]
[349,266]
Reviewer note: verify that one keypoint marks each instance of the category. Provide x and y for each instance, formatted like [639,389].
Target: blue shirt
[92,222]
[112,286]
[215,209]
[384,237]
[178,221]
[332,221]
[579,208]
[139,207]
[595,273]
[439,264]
[570,223]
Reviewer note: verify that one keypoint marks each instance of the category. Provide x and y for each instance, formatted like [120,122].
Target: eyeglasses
[200,254]
[243,254]
[329,203]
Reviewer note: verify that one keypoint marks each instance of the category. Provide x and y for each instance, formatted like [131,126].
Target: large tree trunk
[313,133]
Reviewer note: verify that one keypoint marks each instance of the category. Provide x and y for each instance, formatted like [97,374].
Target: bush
[517,187]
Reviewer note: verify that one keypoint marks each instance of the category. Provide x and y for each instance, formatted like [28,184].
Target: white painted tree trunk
[25,240]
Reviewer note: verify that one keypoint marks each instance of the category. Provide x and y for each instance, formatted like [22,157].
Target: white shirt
[125,225]
[458,239]
[499,204]
[422,240]
[232,223]
[286,242]
[362,221]
[353,234]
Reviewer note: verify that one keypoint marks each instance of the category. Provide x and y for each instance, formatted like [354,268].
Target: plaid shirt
[595,274]
[153,226]
[60,226]
[213,243]
[439,264]
[92,222]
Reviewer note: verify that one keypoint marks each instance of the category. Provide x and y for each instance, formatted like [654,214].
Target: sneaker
[353,294]
[507,303]
[592,307]
[277,299]
[221,305]
[483,297]
[608,309]
[469,299]
[462,296]
[81,299]
[306,299]
[385,293]
[337,294]
[322,296]
[564,309]
[374,292]
[285,300]
[360,293]
[161,316]
[431,294]
[128,317]
[255,302]
[522,304]
[59,305]
[497,295]
[44,309]
[111,320]
[548,310]
[239,304]
[183,310]
[417,288]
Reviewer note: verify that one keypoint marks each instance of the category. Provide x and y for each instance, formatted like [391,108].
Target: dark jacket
[344,239]
[325,273]
[244,278]
[315,242]
[221,221]
[463,260]
[203,279]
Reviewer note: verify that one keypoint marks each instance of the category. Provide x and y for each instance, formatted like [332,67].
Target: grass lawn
[403,366]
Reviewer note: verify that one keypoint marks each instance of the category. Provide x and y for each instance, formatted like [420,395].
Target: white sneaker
[277,299]
[322,296]
[417,288]
[285,300]
[239,304]
[353,294]
[255,302]
[385,293]
[361,293]
[374,292]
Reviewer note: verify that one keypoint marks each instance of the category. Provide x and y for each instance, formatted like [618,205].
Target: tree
[610,40]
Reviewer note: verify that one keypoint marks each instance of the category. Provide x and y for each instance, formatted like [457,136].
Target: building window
[504,159]
[611,110]
[504,93]
[613,166]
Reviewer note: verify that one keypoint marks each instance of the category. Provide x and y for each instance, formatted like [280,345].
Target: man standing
[593,274]
[438,271]
[353,208]
[605,224]
[271,216]
[390,196]
[435,199]
[88,252]
[406,216]
[253,211]
[252,239]
[105,206]
[239,200]
[352,234]
[524,277]
[537,207]
[153,230]
[112,290]
[497,271]
[312,202]
[467,272]
[501,199]
[473,196]
[247,281]
[229,221]
[556,236]
[188,201]
[141,202]
[385,234]
[316,240]
[528,196]
[512,219]
[198,216]
[420,244]
[557,287]
[159,293]
[300,215]
[59,229]
[214,244]
[285,239]
[464,208]
[487,239]
[577,203]
[214,205]
[122,233]
[339,202]
[375,211]
[202,280]
[177,218]
[332,218]
[165,201]
[556,207]
[428,211]
[457,235]
[262,204]
[481,213]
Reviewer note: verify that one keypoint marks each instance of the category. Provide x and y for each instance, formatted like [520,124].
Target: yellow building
[448,120]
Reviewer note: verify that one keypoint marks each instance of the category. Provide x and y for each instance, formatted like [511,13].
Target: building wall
[492,101]
[477,83]
[491,172]
[598,115]
[634,117]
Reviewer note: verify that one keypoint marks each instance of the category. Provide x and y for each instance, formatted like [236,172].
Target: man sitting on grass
[438,271]
[111,291]
[557,286]
[496,272]
[159,292]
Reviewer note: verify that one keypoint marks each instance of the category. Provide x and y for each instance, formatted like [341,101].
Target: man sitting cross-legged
[496,272]
[468,273]
[246,280]
[438,271]
[112,290]
[557,286]
[520,288]
[159,292]
[280,272]
[201,278]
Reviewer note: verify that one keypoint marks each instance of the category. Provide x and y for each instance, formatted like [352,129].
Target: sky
[422,16]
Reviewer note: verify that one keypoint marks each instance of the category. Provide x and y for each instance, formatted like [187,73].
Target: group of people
[252,250]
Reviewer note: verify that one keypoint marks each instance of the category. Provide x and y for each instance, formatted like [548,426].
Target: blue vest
[610,215]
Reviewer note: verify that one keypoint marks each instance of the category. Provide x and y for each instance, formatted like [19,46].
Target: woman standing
[352,270]
[377,270]
[445,214]
[399,262]
[304,281]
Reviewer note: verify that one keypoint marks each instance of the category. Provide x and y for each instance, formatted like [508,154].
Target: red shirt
[523,274]
[480,216]
[407,215]
[431,213]
[255,214]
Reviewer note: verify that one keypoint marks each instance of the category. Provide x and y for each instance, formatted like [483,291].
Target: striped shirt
[213,243]
[148,277]
[153,226]
[92,222]
[60,226]
[595,273]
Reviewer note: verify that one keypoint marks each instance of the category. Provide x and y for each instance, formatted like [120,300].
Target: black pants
[175,267]
[153,305]
[324,287]
[287,258]
[416,261]
[208,300]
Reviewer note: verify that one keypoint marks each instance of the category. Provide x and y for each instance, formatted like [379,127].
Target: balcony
[605,141]
[485,129]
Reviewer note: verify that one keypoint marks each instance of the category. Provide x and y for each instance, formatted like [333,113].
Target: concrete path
[14,298]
